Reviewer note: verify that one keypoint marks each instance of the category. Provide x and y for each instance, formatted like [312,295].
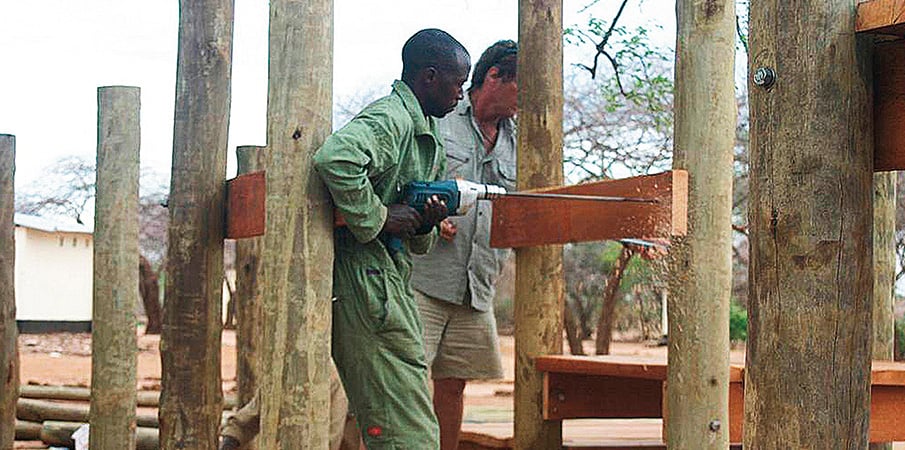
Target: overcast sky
[55,53]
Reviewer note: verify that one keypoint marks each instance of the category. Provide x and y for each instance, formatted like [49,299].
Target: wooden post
[248,290]
[114,346]
[190,402]
[9,349]
[807,375]
[539,286]
[700,263]
[298,240]
[884,271]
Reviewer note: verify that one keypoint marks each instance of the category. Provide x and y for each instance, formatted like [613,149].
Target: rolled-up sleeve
[366,147]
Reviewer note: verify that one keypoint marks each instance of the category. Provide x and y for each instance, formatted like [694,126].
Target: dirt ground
[65,359]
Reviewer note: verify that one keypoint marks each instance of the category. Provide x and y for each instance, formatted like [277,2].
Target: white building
[53,275]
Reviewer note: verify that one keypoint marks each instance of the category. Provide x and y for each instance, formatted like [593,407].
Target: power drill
[461,195]
[458,195]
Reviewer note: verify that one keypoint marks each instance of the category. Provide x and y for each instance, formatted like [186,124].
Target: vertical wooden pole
[9,349]
[191,394]
[884,271]
[248,291]
[700,269]
[539,286]
[811,212]
[298,241]
[114,347]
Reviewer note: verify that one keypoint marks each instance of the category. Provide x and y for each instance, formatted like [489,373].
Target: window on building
[61,241]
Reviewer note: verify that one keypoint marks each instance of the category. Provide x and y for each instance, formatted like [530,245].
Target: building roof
[51,225]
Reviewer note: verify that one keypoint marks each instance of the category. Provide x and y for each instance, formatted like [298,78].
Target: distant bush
[738,323]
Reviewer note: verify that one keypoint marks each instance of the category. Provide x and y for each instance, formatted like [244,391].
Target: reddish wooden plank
[889,105]
[577,396]
[881,16]
[245,205]
[523,222]
[888,373]
[615,365]
[887,421]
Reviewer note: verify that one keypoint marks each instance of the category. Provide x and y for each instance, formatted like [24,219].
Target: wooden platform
[623,387]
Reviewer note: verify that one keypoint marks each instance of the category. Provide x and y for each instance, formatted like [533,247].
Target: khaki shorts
[459,341]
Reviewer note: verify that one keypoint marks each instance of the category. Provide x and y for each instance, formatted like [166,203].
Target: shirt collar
[423,124]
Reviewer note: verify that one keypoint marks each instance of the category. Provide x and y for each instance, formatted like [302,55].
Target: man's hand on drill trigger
[402,221]
[434,211]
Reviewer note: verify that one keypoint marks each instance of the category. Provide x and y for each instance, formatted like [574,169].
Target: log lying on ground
[145,398]
[60,434]
[28,431]
[42,410]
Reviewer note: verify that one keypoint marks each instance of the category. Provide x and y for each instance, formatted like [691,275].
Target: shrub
[738,323]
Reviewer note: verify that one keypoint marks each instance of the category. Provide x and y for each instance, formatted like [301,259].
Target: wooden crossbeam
[881,16]
[525,222]
[625,387]
[889,105]
[245,205]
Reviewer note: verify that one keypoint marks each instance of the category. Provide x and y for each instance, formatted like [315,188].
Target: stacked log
[51,414]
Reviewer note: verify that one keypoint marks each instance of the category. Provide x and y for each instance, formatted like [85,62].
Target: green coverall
[377,333]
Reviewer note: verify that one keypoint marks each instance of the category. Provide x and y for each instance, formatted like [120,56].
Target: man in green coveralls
[377,333]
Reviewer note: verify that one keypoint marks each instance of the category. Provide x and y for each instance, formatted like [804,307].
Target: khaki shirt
[465,270]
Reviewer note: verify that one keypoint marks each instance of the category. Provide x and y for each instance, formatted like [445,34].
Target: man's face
[445,90]
[504,94]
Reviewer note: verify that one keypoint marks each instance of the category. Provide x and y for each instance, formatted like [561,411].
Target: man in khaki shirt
[455,283]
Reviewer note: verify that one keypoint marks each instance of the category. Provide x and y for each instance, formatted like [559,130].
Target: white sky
[55,53]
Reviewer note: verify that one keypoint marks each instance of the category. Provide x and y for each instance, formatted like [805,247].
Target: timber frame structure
[577,222]
[546,383]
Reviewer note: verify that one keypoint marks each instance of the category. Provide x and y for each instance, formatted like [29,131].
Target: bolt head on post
[764,77]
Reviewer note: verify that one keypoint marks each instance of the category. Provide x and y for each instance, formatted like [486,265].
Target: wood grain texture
[9,349]
[889,105]
[811,271]
[251,159]
[114,345]
[700,262]
[881,17]
[191,397]
[526,222]
[245,205]
[298,243]
[539,284]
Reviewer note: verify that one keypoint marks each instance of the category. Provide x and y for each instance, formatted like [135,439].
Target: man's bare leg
[449,405]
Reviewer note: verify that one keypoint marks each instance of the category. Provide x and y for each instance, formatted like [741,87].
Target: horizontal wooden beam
[626,387]
[889,105]
[882,17]
[525,222]
[245,205]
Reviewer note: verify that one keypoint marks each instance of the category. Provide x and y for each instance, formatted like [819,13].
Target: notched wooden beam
[881,17]
[245,205]
[524,222]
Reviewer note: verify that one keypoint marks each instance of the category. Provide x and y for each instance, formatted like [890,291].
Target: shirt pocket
[506,169]
[457,162]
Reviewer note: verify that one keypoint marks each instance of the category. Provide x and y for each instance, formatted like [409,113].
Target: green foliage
[587,267]
[738,323]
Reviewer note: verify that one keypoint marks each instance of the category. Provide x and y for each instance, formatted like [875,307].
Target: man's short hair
[503,55]
[430,47]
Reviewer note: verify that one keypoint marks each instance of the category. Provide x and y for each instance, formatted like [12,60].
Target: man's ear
[429,75]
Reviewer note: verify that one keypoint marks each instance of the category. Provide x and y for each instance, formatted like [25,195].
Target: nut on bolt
[764,77]
[714,425]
